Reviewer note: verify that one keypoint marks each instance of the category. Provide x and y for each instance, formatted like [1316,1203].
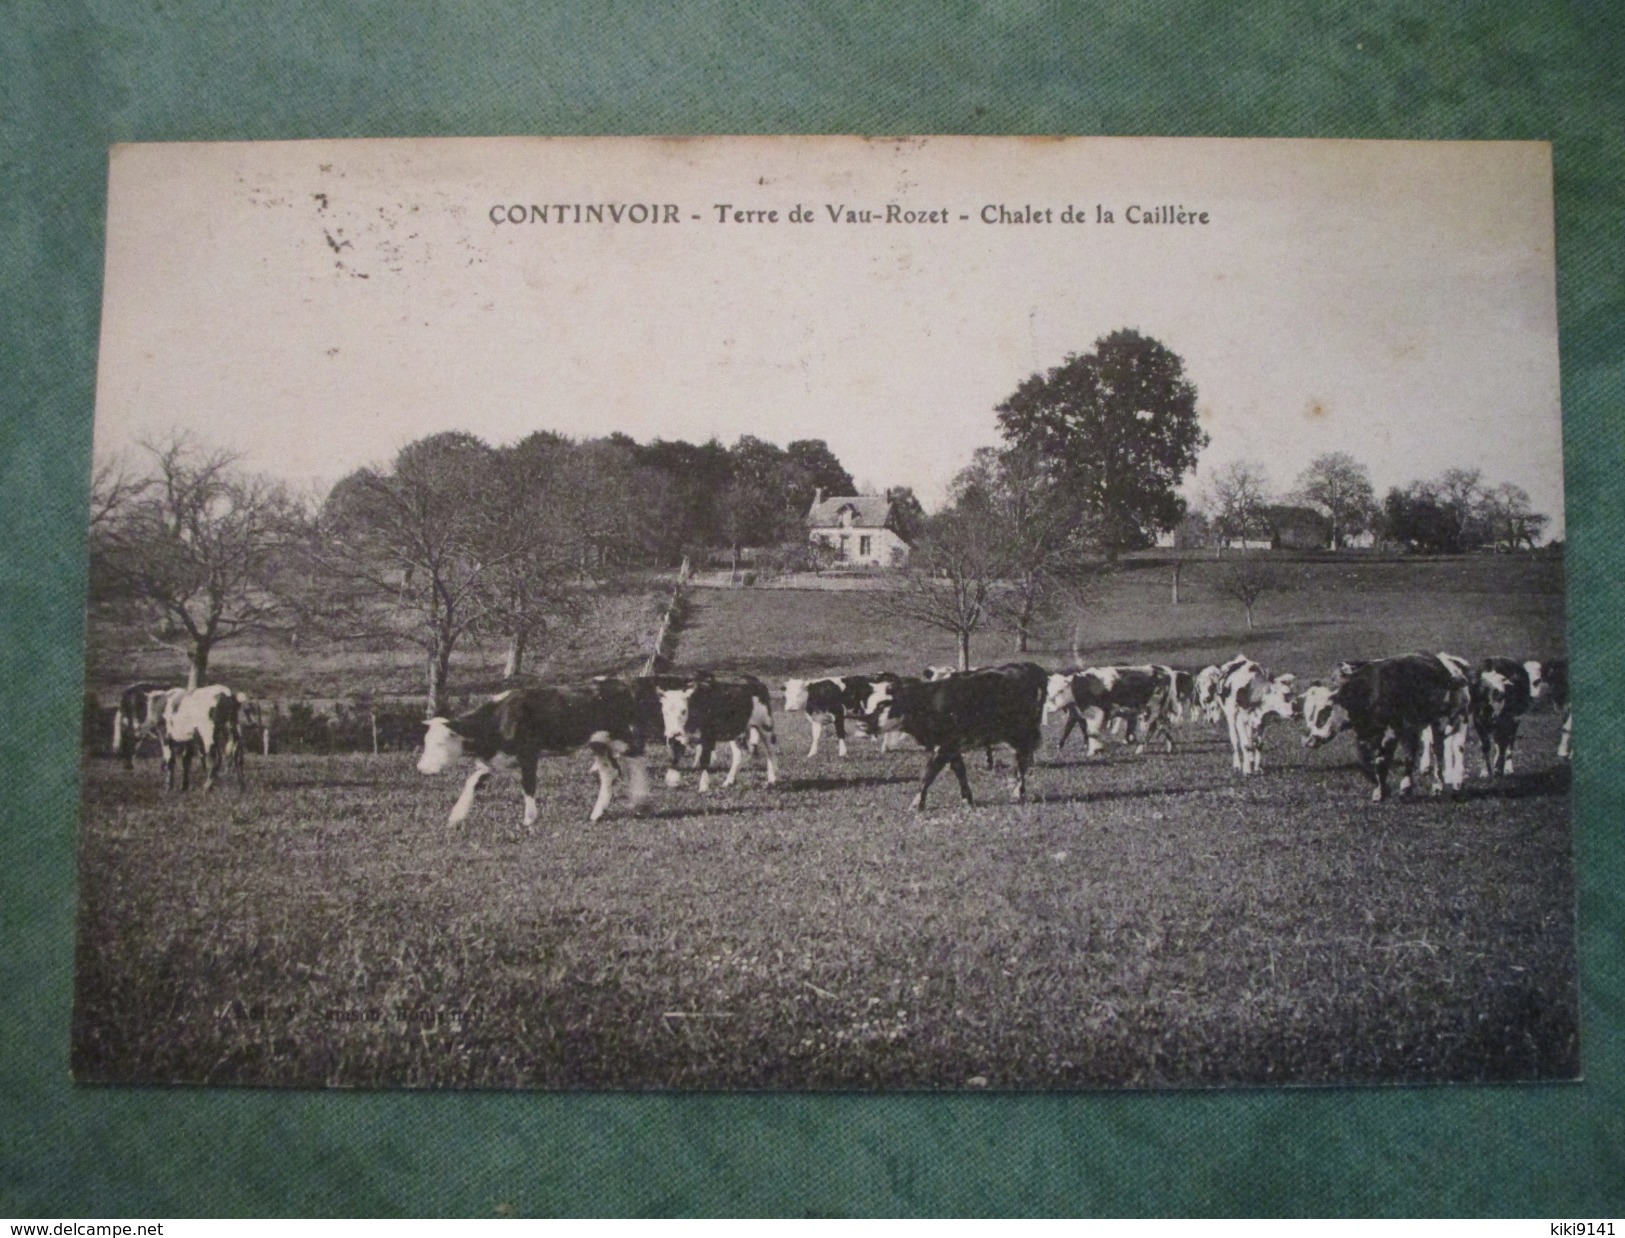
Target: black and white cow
[972,709]
[140,706]
[1325,719]
[715,710]
[1184,694]
[1390,704]
[203,722]
[1248,696]
[524,723]
[1208,679]
[1502,693]
[1092,698]
[831,700]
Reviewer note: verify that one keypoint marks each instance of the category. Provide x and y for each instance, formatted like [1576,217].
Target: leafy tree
[1415,519]
[1339,486]
[1509,519]
[1120,426]
[1460,492]
[908,515]
[810,466]
[194,548]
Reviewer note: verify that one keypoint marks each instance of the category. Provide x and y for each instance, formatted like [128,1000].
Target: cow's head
[879,711]
[1493,691]
[1322,715]
[674,712]
[795,694]
[1537,677]
[933,673]
[1275,697]
[1057,694]
[442,746]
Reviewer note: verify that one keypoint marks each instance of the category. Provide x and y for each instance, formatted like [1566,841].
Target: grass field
[1150,921]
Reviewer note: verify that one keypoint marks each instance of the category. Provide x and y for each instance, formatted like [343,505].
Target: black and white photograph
[827,614]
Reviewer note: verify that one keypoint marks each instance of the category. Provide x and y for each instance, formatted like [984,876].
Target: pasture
[1142,921]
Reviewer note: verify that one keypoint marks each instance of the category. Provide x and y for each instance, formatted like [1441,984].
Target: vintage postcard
[536,585]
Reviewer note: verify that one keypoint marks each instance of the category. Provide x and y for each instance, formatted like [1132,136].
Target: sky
[315,306]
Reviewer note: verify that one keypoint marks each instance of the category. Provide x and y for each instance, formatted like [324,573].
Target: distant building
[860,528]
[1297,528]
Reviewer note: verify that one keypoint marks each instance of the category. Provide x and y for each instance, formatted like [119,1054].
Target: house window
[865,547]
[845,544]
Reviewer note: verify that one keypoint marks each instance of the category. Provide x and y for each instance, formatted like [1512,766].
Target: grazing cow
[1092,698]
[203,722]
[1390,704]
[526,722]
[1503,691]
[711,711]
[831,700]
[136,718]
[1248,695]
[1325,718]
[973,709]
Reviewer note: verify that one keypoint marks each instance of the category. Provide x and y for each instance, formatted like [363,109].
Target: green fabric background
[76,76]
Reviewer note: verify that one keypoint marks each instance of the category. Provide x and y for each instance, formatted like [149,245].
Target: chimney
[818,497]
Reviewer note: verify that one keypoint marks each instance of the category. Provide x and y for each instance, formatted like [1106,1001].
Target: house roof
[869,511]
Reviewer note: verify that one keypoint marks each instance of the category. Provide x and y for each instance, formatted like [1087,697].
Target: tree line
[453,539]
[1334,504]
[457,539]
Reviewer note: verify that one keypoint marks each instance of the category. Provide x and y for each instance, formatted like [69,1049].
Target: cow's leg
[1456,751]
[465,801]
[1366,749]
[1232,723]
[933,766]
[1564,739]
[957,761]
[1024,761]
[674,777]
[1385,761]
[1510,742]
[186,766]
[839,719]
[772,765]
[817,730]
[1408,744]
[1486,743]
[637,787]
[606,787]
[1094,725]
[1072,720]
[527,780]
[735,763]
[705,764]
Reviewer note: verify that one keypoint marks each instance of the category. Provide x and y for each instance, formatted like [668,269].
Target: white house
[860,528]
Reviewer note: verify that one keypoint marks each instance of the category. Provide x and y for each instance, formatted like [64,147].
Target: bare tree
[952,581]
[194,547]
[397,555]
[1041,540]
[1236,496]
[1251,579]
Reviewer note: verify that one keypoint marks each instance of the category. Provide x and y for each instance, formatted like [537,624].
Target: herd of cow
[1418,707]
